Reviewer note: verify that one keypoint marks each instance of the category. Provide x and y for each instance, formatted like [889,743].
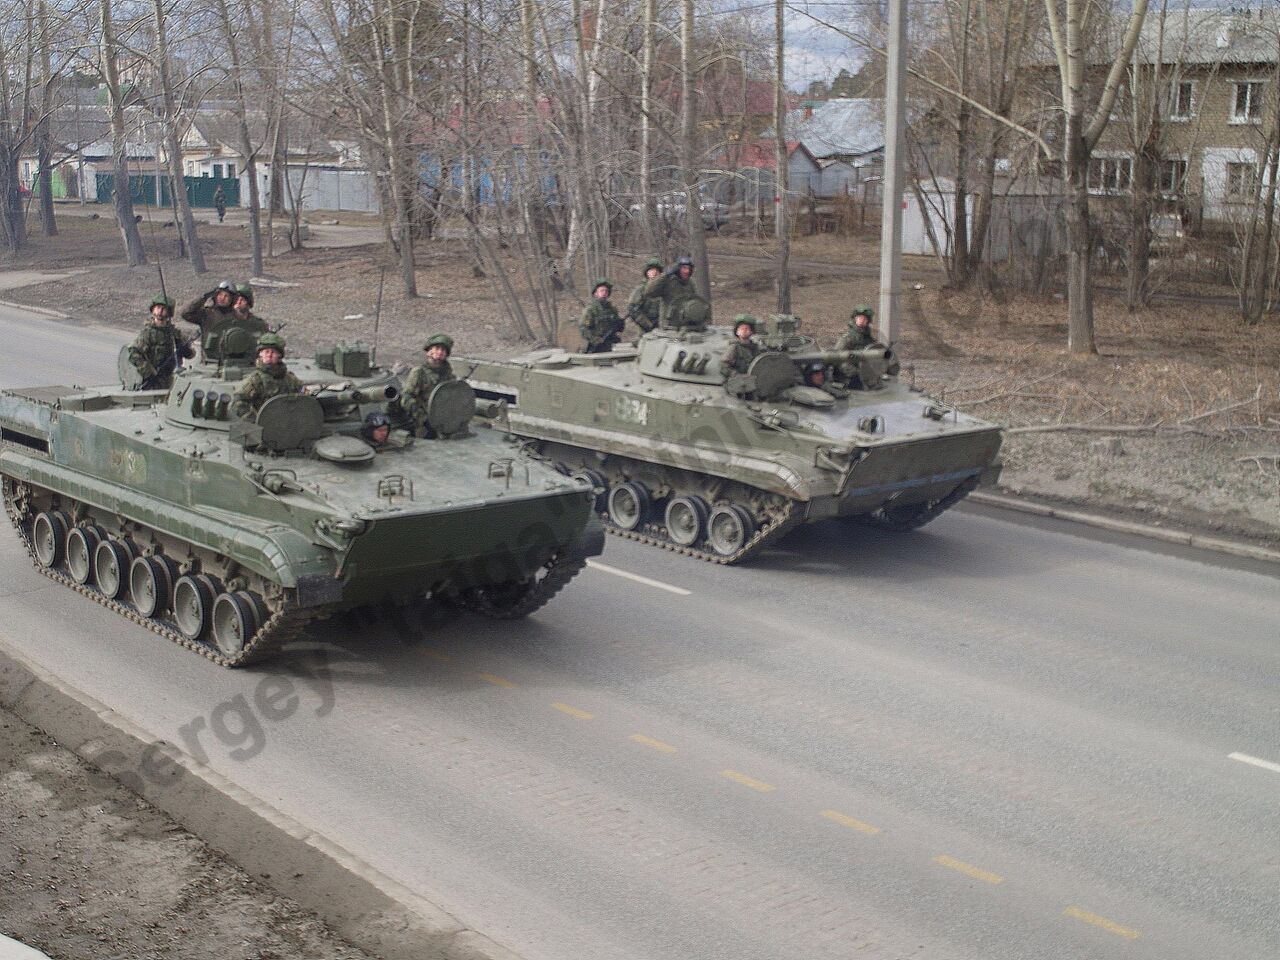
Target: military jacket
[418,385]
[206,315]
[600,323]
[739,356]
[261,385]
[643,310]
[855,338]
[155,353]
[680,301]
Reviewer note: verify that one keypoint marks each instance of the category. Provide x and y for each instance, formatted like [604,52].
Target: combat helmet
[651,264]
[602,282]
[160,300]
[871,314]
[685,261]
[372,422]
[746,318]
[244,290]
[439,340]
[272,340]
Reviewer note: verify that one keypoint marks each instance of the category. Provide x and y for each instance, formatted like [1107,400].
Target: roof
[761,154]
[1191,36]
[840,127]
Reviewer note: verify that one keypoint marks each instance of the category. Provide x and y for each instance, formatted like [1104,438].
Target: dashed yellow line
[1102,922]
[572,711]
[847,821]
[968,869]
[650,742]
[746,781]
[496,681]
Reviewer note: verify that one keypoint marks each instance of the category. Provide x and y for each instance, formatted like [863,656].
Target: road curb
[1184,538]
[43,311]
[368,908]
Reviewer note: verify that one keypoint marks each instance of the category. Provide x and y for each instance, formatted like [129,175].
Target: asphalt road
[985,739]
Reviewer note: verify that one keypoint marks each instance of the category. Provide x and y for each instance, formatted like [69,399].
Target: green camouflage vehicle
[716,465]
[225,535]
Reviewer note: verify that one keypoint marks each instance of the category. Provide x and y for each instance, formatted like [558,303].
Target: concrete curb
[43,311]
[368,908]
[1233,548]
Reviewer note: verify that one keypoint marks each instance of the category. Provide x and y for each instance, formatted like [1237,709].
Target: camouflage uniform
[856,337]
[600,325]
[738,356]
[643,310]
[266,381]
[421,381]
[675,296]
[155,354]
[205,314]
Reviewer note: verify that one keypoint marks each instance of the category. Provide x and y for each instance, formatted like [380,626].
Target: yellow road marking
[746,781]
[650,742]
[1108,925]
[968,869]
[496,681]
[852,824]
[572,711]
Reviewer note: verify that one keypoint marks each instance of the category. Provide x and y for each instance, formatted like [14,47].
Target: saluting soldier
[212,308]
[424,378]
[682,307]
[600,324]
[242,307]
[737,358]
[159,348]
[643,310]
[270,377]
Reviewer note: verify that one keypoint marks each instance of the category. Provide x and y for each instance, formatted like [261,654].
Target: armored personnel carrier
[225,535]
[716,465]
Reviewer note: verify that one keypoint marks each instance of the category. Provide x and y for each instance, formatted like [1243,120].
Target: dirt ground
[1177,419]
[88,870]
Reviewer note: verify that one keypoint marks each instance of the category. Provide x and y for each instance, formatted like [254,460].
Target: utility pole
[894,142]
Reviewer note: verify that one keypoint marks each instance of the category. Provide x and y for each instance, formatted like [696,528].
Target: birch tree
[109,49]
[781,227]
[171,121]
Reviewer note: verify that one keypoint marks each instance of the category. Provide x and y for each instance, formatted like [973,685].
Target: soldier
[242,306]
[159,347]
[424,378]
[212,308]
[642,310]
[270,377]
[682,308]
[737,358]
[220,202]
[859,334]
[600,324]
[378,434]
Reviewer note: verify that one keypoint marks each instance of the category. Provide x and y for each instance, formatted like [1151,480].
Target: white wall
[1213,168]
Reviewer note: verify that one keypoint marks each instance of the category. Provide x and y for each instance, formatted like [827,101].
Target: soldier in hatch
[212,308]
[270,378]
[737,358]
[377,433]
[242,307]
[682,308]
[159,348]
[643,310]
[423,379]
[600,324]
[859,334]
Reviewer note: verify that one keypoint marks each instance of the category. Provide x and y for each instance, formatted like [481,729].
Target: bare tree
[171,121]
[689,166]
[44,141]
[248,150]
[780,159]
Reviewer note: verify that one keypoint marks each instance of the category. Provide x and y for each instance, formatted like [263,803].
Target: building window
[1247,106]
[1110,174]
[191,168]
[26,171]
[217,170]
[1241,178]
[1181,101]
[1173,176]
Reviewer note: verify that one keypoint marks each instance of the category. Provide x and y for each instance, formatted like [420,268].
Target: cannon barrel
[372,394]
[837,357]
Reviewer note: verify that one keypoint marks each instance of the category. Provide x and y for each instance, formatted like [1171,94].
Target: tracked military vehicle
[225,535]
[717,464]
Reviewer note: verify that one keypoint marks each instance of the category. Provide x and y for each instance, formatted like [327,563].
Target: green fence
[142,189]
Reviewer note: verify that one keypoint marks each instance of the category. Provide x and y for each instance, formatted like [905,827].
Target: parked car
[670,208]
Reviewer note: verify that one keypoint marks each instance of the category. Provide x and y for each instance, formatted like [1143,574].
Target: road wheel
[82,544]
[629,505]
[49,537]
[151,584]
[687,520]
[111,566]
[729,529]
[193,597]
[237,616]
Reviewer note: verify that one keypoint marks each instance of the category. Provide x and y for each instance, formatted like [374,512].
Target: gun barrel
[374,394]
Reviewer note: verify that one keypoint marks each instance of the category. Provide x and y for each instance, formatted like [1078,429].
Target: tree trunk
[1139,266]
[1080,243]
[248,151]
[688,155]
[44,146]
[780,226]
[134,254]
[171,120]
[648,214]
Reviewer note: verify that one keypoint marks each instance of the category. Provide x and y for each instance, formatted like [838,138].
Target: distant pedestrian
[220,202]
